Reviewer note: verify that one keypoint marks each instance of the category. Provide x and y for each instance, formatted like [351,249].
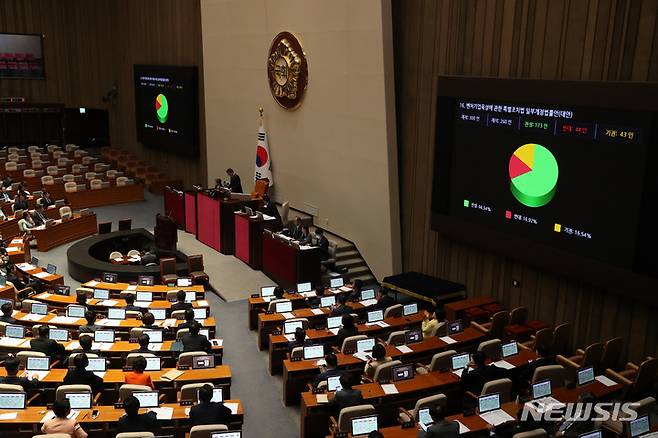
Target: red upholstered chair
[125,224]
[195,268]
[476,314]
[168,270]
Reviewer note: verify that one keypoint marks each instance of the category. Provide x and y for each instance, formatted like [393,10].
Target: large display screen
[21,56]
[559,175]
[166,108]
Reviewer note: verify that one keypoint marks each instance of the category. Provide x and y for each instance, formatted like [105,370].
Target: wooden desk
[61,301]
[106,196]
[297,374]
[249,238]
[287,265]
[215,225]
[455,310]
[51,280]
[158,290]
[66,231]
[18,250]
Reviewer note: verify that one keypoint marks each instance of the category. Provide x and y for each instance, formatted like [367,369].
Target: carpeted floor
[261,394]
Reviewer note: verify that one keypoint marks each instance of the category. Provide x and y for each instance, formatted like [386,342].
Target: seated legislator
[347,396]
[81,298]
[90,327]
[385,299]
[11,367]
[148,321]
[439,427]
[180,303]
[474,379]
[130,304]
[44,344]
[133,421]
[20,203]
[207,411]
[296,231]
[86,343]
[300,340]
[314,301]
[348,329]
[5,194]
[78,375]
[39,216]
[137,376]
[46,199]
[189,319]
[269,208]
[306,237]
[341,308]
[62,423]
[193,341]
[21,189]
[25,224]
[7,309]
[3,216]
[234,181]
[323,243]
[432,318]
[330,370]
[378,358]
[143,341]
[279,292]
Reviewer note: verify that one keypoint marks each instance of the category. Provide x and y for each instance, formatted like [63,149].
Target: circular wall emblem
[287,71]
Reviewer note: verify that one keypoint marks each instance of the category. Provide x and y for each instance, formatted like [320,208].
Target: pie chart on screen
[161,108]
[533,173]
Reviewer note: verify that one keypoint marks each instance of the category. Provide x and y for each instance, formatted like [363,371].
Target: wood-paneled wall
[91,45]
[608,40]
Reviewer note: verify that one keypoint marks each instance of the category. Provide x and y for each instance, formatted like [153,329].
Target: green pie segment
[161,108]
[533,173]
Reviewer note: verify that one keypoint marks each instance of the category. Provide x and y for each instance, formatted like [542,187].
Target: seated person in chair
[148,321]
[143,341]
[341,308]
[61,423]
[180,303]
[26,223]
[269,208]
[39,216]
[189,319]
[439,427]
[300,340]
[86,342]
[314,301]
[346,396]
[7,310]
[11,367]
[348,329]
[137,376]
[80,376]
[46,200]
[385,299]
[130,304]
[193,341]
[20,203]
[478,373]
[44,344]
[329,370]
[431,319]
[133,421]
[296,231]
[207,411]
[378,358]
[149,258]
[90,327]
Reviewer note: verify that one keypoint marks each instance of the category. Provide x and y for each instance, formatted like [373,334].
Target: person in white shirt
[26,223]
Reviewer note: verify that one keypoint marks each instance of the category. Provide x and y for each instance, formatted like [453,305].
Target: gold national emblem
[287,71]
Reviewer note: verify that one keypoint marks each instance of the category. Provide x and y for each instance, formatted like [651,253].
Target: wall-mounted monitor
[21,56]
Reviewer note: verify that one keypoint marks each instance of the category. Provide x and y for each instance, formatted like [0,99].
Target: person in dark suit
[296,231]
[439,427]
[544,358]
[148,321]
[7,309]
[133,421]
[207,411]
[314,301]
[234,182]
[80,376]
[46,200]
[50,347]
[473,380]
[385,299]
[189,319]
[90,327]
[20,203]
[329,370]
[341,308]
[86,343]
[323,243]
[81,298]
[347,396]
[39,216]
[279,292]
[180,303]
[193,341]
[143,341]
[11,367]
[348,329]
[130,304]
[306,238]
[300,340]
[269,208]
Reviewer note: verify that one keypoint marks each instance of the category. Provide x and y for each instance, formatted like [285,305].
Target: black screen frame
[43,57]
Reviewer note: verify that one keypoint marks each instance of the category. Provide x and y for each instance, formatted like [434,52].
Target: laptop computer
[204,361]
[200,312]
[336,282]
[362,426]
[228,434]
[13,400]
[455,327]
[183,282]
[104,336]
[39,308]
[145,280]
[205,332]
[289,327]
[328,301]
[109,277]
[541,395]
[159,314]
[303,287]
[97,364]
[313,352]
[37,364]
[413,336]
[283,306]
[334,322]
[459,361]
[333,383]
[489,403]
[585,376]
[155,336]
[365,345]
[101,294]
[51,269]
[375,316]
[147,399]
[143,296]
[34,261]
[639,426]
[267,291]
[509,349]
[424,418]
[367,294]
[75,311]
[59,335]
[402,372]
[410,309]
[153,364]
[593,434]
[114,313]
[15,331]
[79,400]
[190,296]
[217,395]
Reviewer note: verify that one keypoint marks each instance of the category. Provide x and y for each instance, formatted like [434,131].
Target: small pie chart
[533,173]
[161,108]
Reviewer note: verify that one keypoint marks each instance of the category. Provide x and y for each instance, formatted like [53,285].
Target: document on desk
[44,295]
[169,322]
[448,340]
[233,407]
[132,287]
[27,343]
[164,413]
[8,416]
[202,303]
[100,374]
[307,294]
[10,342]
[361,356]
[64,320]
[108,303]
[321,398]
[305,247]
[143,304]
[91,283]
[404,349]
[496,417]
[32,317]
[155,346]
[389,388]
[42,274]
[25,266]
[460,371]
[102,346]
[317,311]
[171,375]
[462,429]
[39,375]
[368,303]
[288,315]
[12,249]
[503,364]
[345,289]
[290,337]
[73,345]
[605,380]
[334,330]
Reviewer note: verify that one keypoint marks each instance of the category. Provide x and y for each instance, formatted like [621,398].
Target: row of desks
[157,290]
[61,301]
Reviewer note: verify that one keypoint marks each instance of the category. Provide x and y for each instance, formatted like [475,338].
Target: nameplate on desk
[126,368]
[133,340]
[340,435]
[183,367]
[186,402]
[255,295]
[276,332]
[269,312]
[296,359]
[118,405]
[318,390]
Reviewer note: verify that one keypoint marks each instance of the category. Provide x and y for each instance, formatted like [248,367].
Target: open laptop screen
[283,306]
[158,314]
[104,336]
[217,395]
[15,331]
[313,352]
[113,313]
[205,361]
[267,291]
[459,361]
[640,426]
[79,400]
[75,311]
[13,400]
[38,364]
[155,336]
[410,309]
[333,383]
[364,425]
[509,349]
[541,389]
[365,345]
[200,312]
[152,364]
[585,375]
[328,301]
[101,294]
[367,294]
[487,403]
[59,335]
[145,280]
[97,364]
[303,287]
[375,315]
[334,322]
[147,399]
[289,327]
[336,282]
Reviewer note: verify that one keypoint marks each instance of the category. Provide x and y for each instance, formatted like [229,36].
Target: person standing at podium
[269,208]
[234,183]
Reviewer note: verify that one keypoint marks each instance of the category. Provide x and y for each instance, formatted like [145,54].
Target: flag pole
[260,111]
